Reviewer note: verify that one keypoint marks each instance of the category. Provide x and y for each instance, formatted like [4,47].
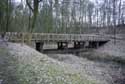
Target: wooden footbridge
[62,40]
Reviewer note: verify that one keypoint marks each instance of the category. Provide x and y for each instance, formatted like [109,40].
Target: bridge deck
[56,37]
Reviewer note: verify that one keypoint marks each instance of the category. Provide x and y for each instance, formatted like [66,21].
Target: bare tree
[34,9]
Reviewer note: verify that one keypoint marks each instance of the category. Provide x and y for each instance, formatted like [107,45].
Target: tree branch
[29,5]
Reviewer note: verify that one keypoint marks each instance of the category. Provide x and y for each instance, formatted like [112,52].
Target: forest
[59,16]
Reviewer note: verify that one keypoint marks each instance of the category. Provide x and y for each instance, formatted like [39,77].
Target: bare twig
[29,5]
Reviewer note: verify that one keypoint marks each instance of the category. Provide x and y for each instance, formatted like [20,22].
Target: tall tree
[34,10]
[6,9]
[90,12]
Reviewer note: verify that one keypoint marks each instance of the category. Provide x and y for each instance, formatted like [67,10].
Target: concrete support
[39,46]
[62,45]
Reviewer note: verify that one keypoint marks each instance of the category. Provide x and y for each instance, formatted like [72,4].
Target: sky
[17,0]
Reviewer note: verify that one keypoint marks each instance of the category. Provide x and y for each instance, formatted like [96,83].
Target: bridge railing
[55,37]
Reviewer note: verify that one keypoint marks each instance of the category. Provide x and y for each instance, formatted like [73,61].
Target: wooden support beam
[93,44]
[96,44]
[79,44]
[62,45]
[39,46]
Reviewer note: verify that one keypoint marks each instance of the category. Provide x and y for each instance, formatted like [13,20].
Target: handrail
[56,37]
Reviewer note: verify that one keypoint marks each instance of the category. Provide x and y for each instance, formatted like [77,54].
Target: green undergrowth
[44,72]
[8,67]
[37,70]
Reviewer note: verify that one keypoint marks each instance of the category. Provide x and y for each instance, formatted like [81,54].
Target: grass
[46,73]
[38,70]
[7,68]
